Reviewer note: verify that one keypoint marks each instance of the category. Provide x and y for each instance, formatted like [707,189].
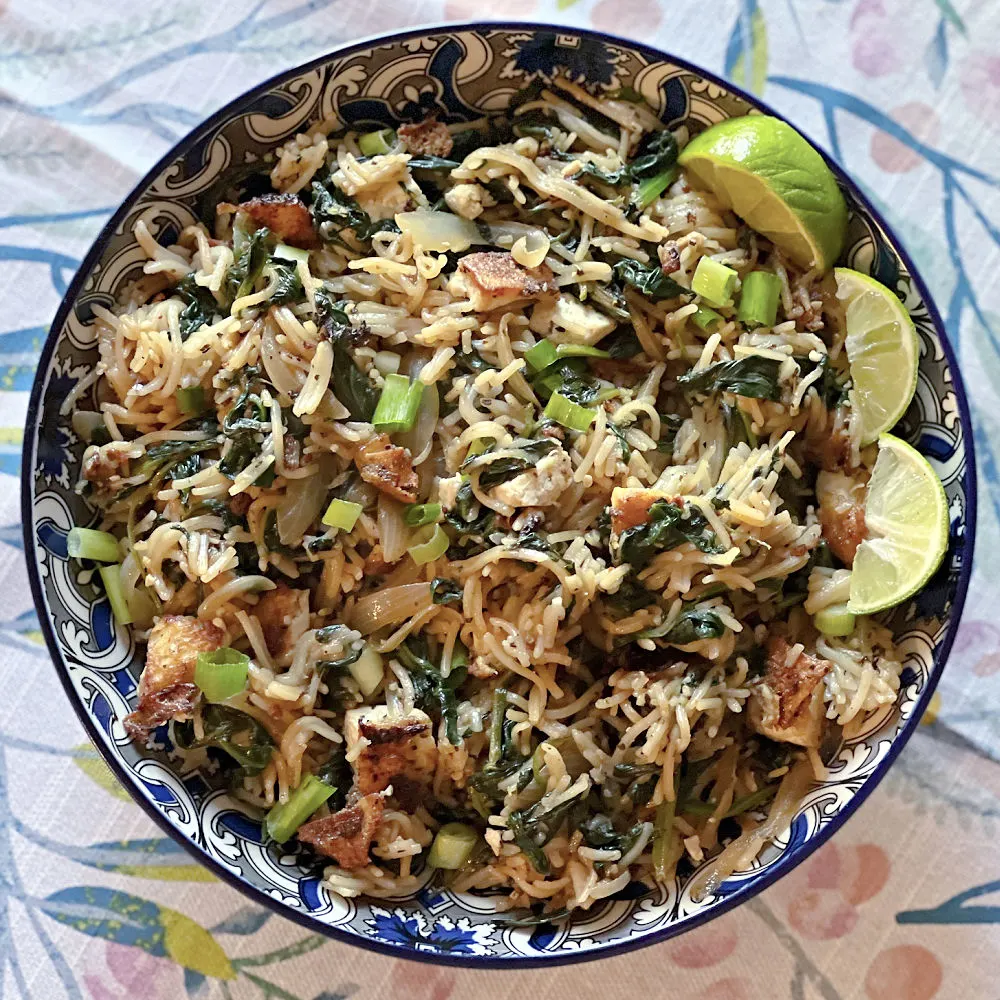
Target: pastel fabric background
[904,904]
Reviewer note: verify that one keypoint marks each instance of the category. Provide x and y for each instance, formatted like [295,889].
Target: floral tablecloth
[904,904]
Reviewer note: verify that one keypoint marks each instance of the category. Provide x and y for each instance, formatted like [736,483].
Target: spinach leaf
[588,168]
[502,469]
[234,732]
[631,596]
[428,162]
[666,527]
[431,691]
[200,309]
[350,385]
[462,518]
[340,665]
[533,827]
[336,772]
[571,377]
[445,591]
[648,279]
[289,284]
[737,427]
[471,363]
[754,376]
[657,153]
[622,344]
[691,626]
[333,212]
[249,264]
[641,778]
[832,390]
[626,448]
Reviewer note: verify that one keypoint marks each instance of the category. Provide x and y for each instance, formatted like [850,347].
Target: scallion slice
[284,818]
[714,282]
[89,543]
[111,577]
[221,673]
[398,404]
[297,255]
[433,545]
[376,143]
[580,351]
[705,318]
[342,514]
[759,299]
[191,399]
[564,411]
[416,515]
[541,355]
[453,844]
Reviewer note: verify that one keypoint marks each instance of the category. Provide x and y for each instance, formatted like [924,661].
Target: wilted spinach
[445,591]
[234,732]
[200,308]
[288,286]
[350,385]
[666,527]
[753,376]
[431,691]
[503,469]
[333,212]
[249,264]
[533,827]
[692,625]
[648,279]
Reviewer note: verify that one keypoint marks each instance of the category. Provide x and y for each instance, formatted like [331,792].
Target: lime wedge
[906,519]
[883,351]
[776,182]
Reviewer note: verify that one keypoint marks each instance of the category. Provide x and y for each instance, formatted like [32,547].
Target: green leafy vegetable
[350,385]
[249,264]
[691,626]
[753,376]
[333,212]
[534,827]
[502,469]
[289,285]
[239,735]
[649,279]
[200,309]
[431,691]
[666,527]
[428,162]
[445,591]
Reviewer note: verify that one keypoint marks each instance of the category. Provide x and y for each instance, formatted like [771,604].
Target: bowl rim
[791,858]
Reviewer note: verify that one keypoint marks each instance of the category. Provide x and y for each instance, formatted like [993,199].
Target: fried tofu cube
[630,506]
[493,279]
[166,687]
[285,215]
[568,321]
[842,513]
[786,704]
[283,614]
[396,747]
[346,836]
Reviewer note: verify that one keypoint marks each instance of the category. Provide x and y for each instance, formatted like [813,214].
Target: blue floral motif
[415,933]
[581,57]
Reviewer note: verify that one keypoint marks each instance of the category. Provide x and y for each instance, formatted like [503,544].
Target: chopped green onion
[835,620]
[580,351]
[651,188]
[564,411]
[459,655]
[297,255]
[376,143]
[367,670]
[759,299]
[221,673]
[89,543]
[191,399]
[416,515]
[541,355]
[434,545]
[663,841]
[453,845]
[111,577]
[398,404]
[714,282]
[705,317]
[498,715]
[284,818]
[342,514]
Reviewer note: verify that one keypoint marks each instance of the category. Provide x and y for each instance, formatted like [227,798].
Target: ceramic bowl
[460,73]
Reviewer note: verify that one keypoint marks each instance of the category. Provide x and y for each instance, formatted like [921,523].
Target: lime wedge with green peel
[882,349]
[776,182]
[906,521]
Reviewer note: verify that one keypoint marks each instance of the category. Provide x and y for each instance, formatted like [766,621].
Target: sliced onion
[419,437]
[530,250]
[358,491]
[277,370]
[439,231]
[300,506]
[393,534]
[747,846]
[389,606]
[506,234]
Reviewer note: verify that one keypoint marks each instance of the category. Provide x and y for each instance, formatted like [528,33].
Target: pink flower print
[893,156]
[875,47]
[704,946]
[127,973]
[907,972]
[980,80]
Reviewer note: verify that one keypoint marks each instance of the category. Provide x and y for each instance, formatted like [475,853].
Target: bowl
[459,72]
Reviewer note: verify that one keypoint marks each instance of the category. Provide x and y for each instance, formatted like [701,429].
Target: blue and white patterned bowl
[459,73]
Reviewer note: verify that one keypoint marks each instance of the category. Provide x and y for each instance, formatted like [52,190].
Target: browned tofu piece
[630,506]
[842,513]
[103,465]
[346,836]
[493,279]
[388,468]
[428,137]
[283,614]
[166,687]
[285,215]
[396,748]
[786,704]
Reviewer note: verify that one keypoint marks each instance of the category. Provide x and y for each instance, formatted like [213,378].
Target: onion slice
[389,606]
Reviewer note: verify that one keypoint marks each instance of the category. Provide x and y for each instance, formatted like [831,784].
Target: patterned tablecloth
[904,904]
